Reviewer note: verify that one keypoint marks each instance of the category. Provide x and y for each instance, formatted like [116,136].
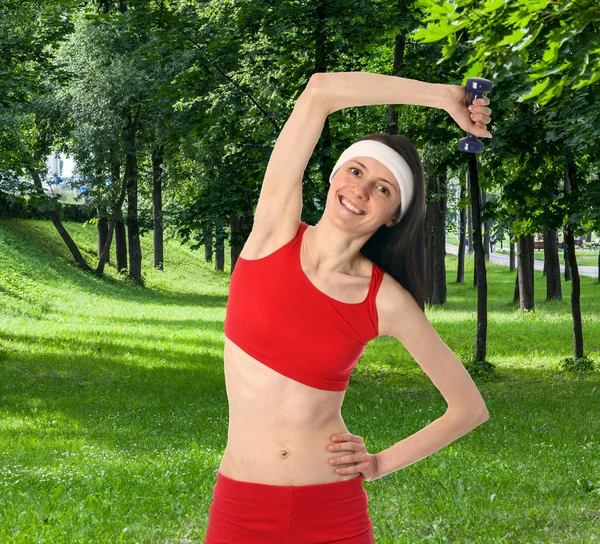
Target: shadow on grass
[102,400]
[112,351]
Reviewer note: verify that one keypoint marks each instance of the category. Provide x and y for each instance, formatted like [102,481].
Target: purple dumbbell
[478,87]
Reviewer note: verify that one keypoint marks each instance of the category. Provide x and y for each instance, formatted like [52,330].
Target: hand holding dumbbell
[468,107]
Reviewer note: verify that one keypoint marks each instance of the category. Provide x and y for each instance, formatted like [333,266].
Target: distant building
[60,177]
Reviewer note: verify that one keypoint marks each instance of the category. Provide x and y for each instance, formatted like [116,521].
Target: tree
[117,71]
[562,48]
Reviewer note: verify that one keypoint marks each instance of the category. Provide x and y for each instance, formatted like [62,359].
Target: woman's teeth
[350,207]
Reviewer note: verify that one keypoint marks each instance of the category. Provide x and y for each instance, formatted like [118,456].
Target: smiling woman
[304,302]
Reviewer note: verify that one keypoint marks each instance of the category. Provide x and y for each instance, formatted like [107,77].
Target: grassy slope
[113,410]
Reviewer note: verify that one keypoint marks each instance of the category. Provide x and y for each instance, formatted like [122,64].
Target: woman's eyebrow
[382,179]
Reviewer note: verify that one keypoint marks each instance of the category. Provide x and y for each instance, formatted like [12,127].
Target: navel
[283,453]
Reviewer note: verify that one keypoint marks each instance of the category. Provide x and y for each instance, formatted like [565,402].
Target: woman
[304,302]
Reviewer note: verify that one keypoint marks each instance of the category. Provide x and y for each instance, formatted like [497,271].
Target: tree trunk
[511,246]
[473,226]
[551,260]
[578,352]
[552,266]
[121,242]
[113,218]
[235,247]
[322,60]
[247,219]
[55,217]
[219,245]
[118,226]
[460,272]
[525,274]
[565,248]
[133,232]
[481,336]
[566,259]
[486,229]
[469,223]
[208,249]
[399,46]
[435,238]
[157,169]
[240,227]
[102,232]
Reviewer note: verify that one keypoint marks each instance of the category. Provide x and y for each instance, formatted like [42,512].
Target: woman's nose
[361,190]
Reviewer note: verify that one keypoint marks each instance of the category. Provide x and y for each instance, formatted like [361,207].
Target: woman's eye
[387,191]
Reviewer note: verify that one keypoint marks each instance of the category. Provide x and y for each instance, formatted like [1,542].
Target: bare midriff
[279,429]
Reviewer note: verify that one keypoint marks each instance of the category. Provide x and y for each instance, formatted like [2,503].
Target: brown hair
[400,249]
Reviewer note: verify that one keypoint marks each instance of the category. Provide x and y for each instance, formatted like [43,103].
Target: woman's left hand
[360,460]
[474,120]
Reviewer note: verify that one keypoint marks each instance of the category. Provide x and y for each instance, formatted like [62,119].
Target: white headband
[390,159]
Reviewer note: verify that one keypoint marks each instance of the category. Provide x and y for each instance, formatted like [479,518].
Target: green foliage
[29,33]
[481,369]
[29,30]
[12,206]
[576,364]
[502,33]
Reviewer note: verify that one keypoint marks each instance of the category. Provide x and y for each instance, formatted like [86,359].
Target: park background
[113,410]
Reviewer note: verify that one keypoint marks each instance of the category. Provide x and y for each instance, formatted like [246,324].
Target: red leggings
[253,513]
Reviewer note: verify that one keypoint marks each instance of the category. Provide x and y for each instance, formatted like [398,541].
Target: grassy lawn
[113,409]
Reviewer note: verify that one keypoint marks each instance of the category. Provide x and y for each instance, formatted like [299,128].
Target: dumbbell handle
[478,87]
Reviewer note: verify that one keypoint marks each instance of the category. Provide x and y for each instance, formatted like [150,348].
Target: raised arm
[280,202]
[340,90]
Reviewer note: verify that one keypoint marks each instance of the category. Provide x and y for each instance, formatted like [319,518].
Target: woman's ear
[391,222]
[393,219]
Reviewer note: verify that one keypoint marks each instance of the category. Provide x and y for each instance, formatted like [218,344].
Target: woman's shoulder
[263,242]
[391,300]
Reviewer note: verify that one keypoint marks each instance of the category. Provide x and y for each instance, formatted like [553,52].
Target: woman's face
[360,183]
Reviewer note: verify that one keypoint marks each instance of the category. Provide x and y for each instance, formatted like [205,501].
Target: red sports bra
[276,315]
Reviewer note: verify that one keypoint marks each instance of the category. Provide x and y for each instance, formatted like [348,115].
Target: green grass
[113,409]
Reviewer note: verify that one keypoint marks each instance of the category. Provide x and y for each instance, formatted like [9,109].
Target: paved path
[500,258]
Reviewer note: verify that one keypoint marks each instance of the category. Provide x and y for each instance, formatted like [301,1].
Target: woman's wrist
[445,95]
[379,467]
